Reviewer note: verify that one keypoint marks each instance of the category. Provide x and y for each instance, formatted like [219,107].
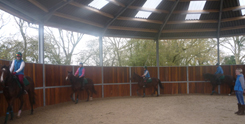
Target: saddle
[149,80]
[85,81]
[26,82]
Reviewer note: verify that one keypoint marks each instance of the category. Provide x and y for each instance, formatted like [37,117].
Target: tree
[235,46]
[67,42]
[3,22]
[229,60]
[22,28]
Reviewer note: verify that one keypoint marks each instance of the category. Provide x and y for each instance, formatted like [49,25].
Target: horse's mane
[138,76]
[74,78]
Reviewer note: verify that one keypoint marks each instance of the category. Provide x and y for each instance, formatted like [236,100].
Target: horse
[229,80]
[11,91]
[77,86]
[141,84]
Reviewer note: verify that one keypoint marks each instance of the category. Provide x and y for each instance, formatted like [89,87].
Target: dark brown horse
[228,80]
[77,86]
[11,91]
[141,83]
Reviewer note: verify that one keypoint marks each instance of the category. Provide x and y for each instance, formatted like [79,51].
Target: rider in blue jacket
[146,75]
[219,73]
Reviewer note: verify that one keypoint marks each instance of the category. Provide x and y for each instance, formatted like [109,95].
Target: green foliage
[229,60]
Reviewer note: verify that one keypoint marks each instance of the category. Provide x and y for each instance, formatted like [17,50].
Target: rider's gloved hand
[14,73]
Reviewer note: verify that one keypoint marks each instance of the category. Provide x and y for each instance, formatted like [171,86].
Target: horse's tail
[95,92]
[93,89]
[160,84]
[234,79]
[32,93]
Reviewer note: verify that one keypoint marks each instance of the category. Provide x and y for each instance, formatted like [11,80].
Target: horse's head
[69,75]
[5,72]
[136,77]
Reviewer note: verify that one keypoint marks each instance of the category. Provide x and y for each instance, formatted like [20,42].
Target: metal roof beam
[166,20]
[55,8]
[39,5]
[91,9]
[6,2]
[120,13]
[220,14]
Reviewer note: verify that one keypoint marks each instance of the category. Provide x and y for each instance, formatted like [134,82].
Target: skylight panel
[195,5]
[98,4]
[152,4]
[242,2]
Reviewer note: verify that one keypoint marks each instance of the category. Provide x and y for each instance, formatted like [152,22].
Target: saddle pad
[26,82]
[222,77]
[85,81]
[149,80]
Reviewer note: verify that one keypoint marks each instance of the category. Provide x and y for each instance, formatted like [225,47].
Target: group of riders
[18,65]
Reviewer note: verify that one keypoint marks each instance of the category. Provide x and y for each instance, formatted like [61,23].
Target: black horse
[228,80]
[155,82]
[11,91]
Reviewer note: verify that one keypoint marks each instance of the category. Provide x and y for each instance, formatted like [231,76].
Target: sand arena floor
[166,109]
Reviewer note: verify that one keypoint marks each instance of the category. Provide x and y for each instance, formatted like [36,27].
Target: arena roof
[166,19]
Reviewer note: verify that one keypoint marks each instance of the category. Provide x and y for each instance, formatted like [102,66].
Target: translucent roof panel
[143,14]
[148,4]
[98,4]
[242,3]
[195,5]
[192,16]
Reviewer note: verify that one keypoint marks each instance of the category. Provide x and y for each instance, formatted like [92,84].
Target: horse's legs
[31,99]
[7,114]
[138,92]
[213,89]
[72,96]
[156,90]
[88,94]
[11,113]
[153,91]
[231,89]
[77,96]
[144,92]
[21,105]
[92,92]
[8,109]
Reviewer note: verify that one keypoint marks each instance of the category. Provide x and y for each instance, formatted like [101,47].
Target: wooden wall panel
[26,106]
[196,72]
[174,88]
[92,72]
[35,71]
[57,95]
[116,74]
[55,75]
[204,88]
[116,90]
[173,73]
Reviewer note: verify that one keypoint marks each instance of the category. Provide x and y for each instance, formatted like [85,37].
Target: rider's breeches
[20,77]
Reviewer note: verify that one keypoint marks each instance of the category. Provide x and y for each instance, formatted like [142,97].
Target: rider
[19,65]
[81,72]
[219,73]
[146,75]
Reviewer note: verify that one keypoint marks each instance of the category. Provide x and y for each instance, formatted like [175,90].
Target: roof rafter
[166,20]
[77,19]
[219,21]
[55,8]
[91,9]
[121,12]
[39,5]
